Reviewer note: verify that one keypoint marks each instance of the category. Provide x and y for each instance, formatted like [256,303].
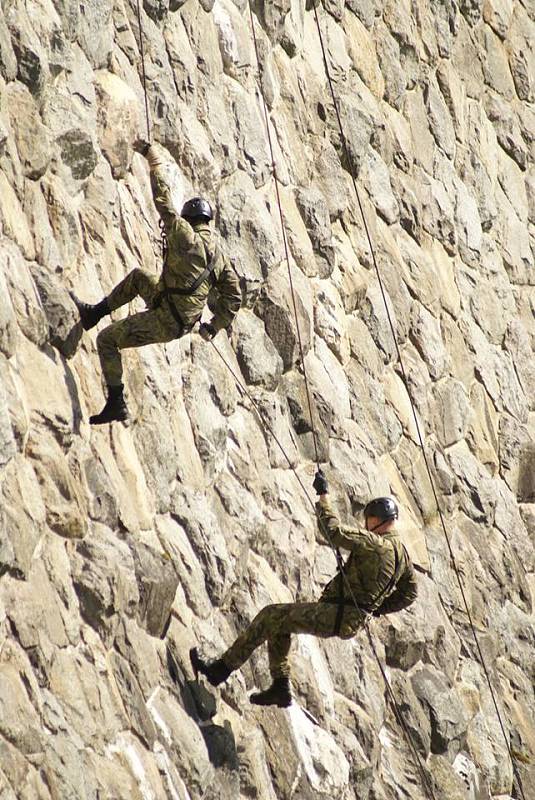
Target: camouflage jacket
[189,251]
[378,569]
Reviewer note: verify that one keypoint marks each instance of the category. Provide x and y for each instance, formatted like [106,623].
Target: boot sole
[96,419]
[277,703]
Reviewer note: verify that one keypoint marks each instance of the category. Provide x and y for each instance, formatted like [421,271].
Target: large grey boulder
[32,60]
[8,446]
[117,121]
[65,330]
[315,214]
[208,543]
[258,359]
[157,584]
[31,135]
[445,710]
[8,325]
[8,60]
[104,596]
[20,531]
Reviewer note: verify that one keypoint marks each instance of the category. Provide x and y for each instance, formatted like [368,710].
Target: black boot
[90,315]
[115,409]
[216,671]
[278,694]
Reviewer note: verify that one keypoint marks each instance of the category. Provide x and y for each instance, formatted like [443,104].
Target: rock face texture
[122,547]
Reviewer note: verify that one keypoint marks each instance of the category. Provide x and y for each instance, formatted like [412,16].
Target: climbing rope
[284,239]
[336,552]
[143,71]
[405,380]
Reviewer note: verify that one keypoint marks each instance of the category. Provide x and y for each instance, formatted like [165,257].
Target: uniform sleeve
[229,298]
[179,232]
[403,595]
[333,532]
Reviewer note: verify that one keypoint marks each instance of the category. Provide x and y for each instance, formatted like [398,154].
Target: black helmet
[197,208]
[382,507]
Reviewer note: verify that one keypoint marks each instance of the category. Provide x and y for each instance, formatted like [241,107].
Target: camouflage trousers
[276,623]
[136,330]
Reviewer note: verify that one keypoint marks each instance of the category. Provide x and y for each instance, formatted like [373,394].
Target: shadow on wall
[201,706]
[526,476]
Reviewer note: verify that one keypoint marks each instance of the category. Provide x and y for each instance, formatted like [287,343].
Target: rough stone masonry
[188,520]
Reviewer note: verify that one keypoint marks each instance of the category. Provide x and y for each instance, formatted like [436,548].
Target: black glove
[141,146]
[320,483]
[207,331]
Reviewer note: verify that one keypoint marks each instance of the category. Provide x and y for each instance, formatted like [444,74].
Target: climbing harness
[405,381]
[168,292]
[342,601]
[399,567]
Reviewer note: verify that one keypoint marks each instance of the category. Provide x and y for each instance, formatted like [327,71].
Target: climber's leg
[148,327]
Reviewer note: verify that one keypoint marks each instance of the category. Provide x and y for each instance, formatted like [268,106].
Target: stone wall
[122,547]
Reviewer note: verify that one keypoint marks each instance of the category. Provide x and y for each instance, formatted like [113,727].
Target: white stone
[498,14]
[376,178]
[234,37]
[330,320]
[324,763]
[13,220]
[118,120]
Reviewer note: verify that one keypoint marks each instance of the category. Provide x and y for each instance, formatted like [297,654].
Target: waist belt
[343,601]
[169,292]
[347,601]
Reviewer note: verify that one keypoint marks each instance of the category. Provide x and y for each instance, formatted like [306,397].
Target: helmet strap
[377,526]
[380,524]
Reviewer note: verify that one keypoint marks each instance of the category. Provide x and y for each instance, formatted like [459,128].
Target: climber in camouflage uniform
[377,578]
[192,266]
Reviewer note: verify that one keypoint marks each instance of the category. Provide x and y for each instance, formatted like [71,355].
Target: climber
[193,264]
[377,578]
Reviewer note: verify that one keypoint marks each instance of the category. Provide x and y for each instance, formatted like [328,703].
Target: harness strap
[168,292]
[207,273]
[390,586]
[176,316]
[341,599]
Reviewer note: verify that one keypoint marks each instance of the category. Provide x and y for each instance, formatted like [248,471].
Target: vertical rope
[284,239]
[143,72]
[417,424]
